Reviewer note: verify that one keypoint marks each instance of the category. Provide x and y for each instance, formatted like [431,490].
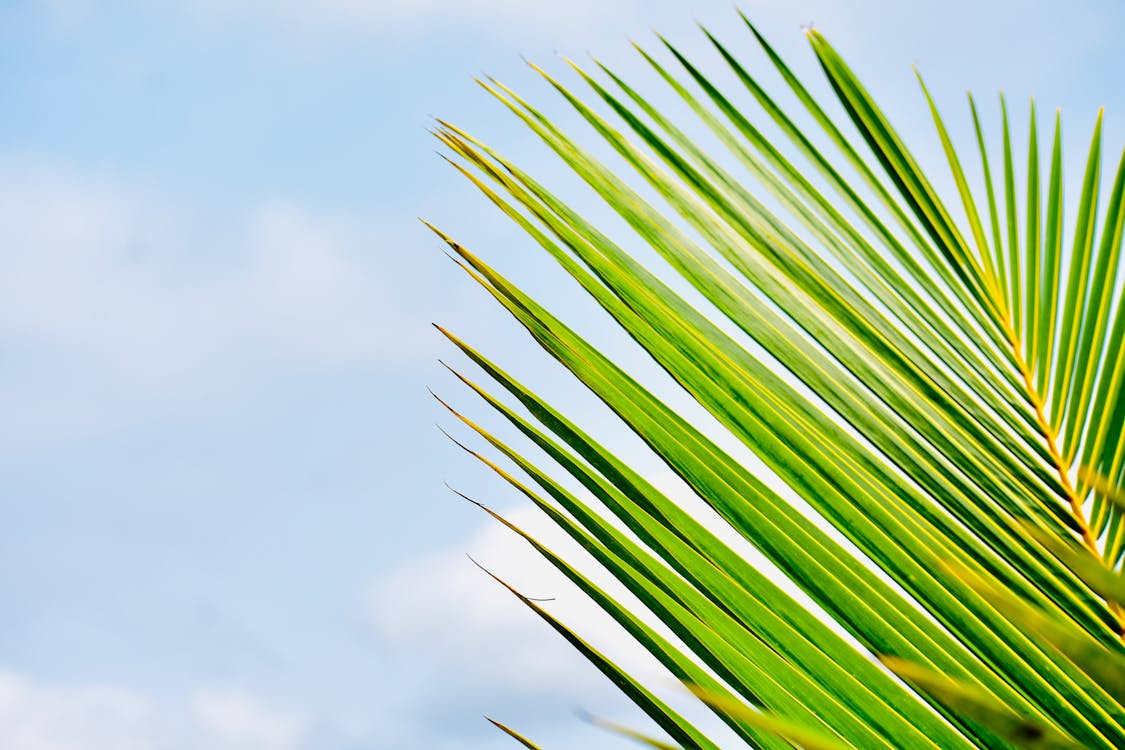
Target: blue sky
[222,517]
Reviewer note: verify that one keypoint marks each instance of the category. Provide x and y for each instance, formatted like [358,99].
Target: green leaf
[915,388]
[1077,284]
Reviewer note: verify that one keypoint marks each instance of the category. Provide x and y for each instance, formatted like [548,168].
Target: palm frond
[927,385]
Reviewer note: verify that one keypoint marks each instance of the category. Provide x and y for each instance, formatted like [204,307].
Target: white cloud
[117,305]
[239,721]
[37,716]
[34,717]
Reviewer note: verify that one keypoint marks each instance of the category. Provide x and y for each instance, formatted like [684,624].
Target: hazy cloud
[239,721]
[117,305]
[36,716]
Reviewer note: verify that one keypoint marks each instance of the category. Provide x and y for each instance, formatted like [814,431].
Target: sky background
[222,515]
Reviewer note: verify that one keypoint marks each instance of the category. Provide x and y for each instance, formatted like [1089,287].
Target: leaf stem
[1063,468]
